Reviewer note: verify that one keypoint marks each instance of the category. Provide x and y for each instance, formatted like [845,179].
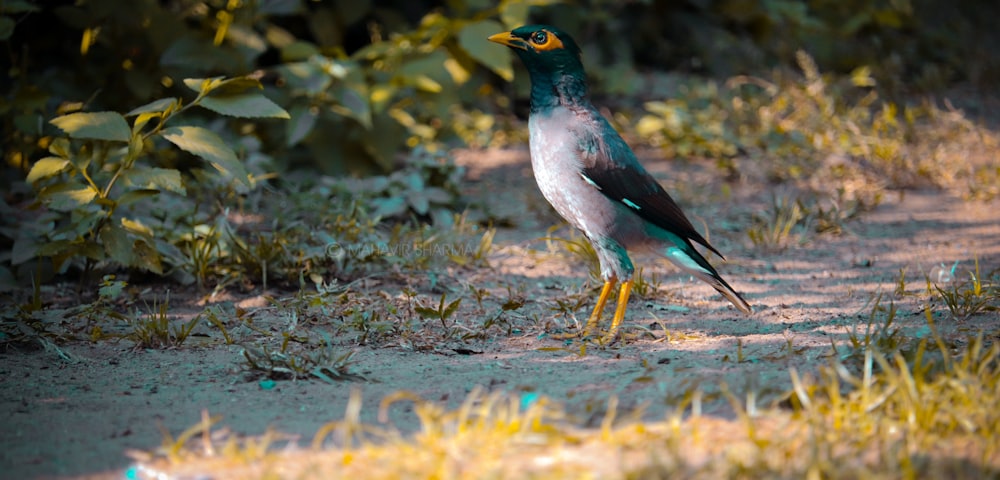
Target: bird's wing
[611,167]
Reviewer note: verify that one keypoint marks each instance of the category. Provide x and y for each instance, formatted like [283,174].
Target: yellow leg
[602,300]
[595,317]
[623,295]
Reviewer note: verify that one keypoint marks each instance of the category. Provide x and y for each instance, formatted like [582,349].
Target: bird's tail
[693,262]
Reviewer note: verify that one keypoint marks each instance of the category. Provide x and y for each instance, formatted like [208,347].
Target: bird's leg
[623,295]
[602,300]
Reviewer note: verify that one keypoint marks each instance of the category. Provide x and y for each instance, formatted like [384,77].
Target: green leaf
[238,85]
[513,14]
[418,201]
[81,224]
[138,143]
[65,197]
[123,248]
[203,85]
[133,196]
[56,247]
[71,250]
[154,179]
[426,312]
[186,49]
[862,77]
[223,85]
[209,146]
[438,195]
[111,289]
[156,106]
[298,50]
[450,309]
[308,78]
[302,122]
[98,126]
[60,147]
[319,373]
[6,28]
[81,161]
[146,256]
[425,72]
[426,84]
[472,39]
[389,207]
[247,105]
[20,6]
[117,244]
[46,167]
[354,105]
[25,248]
[137,227]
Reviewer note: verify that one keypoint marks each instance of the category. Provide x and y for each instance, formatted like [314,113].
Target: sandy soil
[79,417]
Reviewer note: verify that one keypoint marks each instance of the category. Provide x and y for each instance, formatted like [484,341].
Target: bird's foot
[583,333]
[611,337]
[624,336]
[591,335]
[568,335]
[595,317]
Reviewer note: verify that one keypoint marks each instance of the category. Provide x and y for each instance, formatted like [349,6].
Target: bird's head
[545,50]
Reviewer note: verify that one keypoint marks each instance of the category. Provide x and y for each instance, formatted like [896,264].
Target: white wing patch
[588,180]
[685,261]
[630,204]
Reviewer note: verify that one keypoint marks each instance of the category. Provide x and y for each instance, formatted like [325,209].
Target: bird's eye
[543,41]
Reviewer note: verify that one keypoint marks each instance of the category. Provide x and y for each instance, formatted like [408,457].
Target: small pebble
[528,399]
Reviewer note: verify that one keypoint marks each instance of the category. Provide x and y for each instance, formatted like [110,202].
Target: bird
[594,181]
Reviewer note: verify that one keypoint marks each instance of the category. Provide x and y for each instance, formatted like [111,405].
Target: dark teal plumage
[591,176]
[560,77]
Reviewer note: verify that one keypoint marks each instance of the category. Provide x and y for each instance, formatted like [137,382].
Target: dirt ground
[70,418]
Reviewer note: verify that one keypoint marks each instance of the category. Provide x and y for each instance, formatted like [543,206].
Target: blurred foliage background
[384,89]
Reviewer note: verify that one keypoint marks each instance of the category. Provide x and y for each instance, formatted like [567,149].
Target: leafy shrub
[356,112]
[87,187]
[97,192]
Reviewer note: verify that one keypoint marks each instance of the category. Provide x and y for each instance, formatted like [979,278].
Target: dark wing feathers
[609,163]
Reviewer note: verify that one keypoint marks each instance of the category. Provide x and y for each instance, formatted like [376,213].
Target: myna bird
[592,178]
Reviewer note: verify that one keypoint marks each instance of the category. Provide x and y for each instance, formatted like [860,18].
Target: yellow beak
[508,39]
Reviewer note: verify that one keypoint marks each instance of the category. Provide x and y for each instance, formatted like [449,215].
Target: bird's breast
[555,161]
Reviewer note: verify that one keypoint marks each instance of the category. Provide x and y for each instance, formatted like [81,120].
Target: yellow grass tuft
[932,415]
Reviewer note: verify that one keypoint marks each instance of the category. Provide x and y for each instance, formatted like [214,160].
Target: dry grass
[930,416]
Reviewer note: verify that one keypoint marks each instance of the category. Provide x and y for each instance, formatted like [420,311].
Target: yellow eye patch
[544,40]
